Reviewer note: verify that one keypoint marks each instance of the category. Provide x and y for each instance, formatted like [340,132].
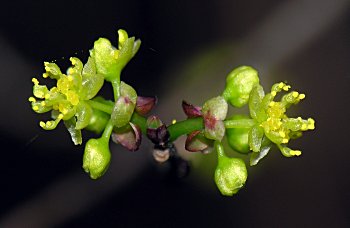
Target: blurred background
[188,48]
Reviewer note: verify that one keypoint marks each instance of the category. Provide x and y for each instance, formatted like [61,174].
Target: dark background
[187,49]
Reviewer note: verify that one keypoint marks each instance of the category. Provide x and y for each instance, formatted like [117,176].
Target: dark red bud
[190,110]
[158,136]
[145,104]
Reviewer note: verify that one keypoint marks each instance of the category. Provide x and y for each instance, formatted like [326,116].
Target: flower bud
[196,141]
[145,104]
[214,112]
[129,137]
[124,106]
[96,157]
[230,174]
[190,110]
[239,83]
[238,137]
[98,121]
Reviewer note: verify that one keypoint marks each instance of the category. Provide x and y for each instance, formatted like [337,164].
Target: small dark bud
[190,110]
[158,136]
[145,104]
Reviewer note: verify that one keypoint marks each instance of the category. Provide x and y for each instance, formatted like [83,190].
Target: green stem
[219,149]
[140,121]
[101,106]
[242,123]
[185,127]
[107,131]
[175,130]
[116,88]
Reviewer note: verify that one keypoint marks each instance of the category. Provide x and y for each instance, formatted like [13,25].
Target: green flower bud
[109,60]
[239,83]
[96,157]
[125,105]
[238,137]
[230,174]
[98,121]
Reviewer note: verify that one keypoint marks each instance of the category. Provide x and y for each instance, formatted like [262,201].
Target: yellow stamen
[60,116]
[284,140]
[282,134]
[45,75]
[301,96]
[47,96]
[31,99]
[70,78]
[43,103]
[303,127]
[295,152]
[35,81]
[174,121]
[48,124]
[42,124]
[281,84]
[72,60]
[35,108]
[273,93]
[272,103]
[286,87]
[295,94]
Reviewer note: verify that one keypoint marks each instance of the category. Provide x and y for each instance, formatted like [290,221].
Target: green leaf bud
[96,157]
[239,84]
[230,174]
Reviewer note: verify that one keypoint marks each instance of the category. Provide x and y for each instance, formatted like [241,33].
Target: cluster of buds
[74,100]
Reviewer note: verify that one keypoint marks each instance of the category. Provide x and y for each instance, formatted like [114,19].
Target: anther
[35,108]
[303,127]
[295,94]
[301,96]
[32,99]
[42,124]
[286,87]
[35,81]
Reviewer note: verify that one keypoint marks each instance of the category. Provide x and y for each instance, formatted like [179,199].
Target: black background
[42,183]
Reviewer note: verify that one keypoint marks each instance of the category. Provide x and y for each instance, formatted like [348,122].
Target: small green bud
[98,121]
[96,157]
[239,83]
[124,106]
[230,174]
[238,137]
